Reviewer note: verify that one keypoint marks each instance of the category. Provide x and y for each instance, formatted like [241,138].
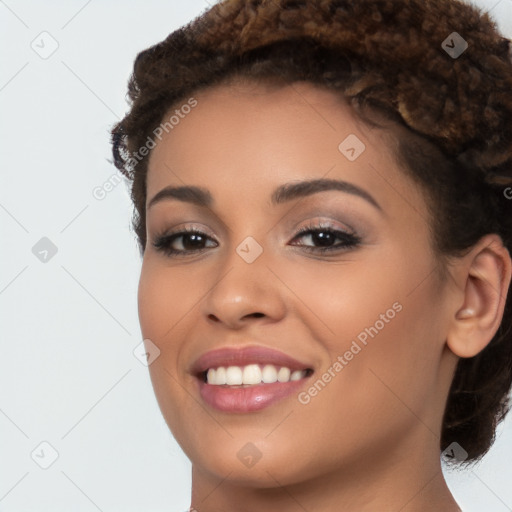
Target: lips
[247,398]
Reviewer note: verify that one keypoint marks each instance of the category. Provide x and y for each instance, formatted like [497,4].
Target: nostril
[257,315]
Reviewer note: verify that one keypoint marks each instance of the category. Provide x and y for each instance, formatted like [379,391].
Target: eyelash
[163,242]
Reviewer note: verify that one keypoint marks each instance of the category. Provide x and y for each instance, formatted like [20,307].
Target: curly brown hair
[453,114]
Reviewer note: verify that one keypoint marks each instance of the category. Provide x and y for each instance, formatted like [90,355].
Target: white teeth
[220,376]
[252,374]
[234,376]
[269,374]
[283,375]
[211,375]
[297,375]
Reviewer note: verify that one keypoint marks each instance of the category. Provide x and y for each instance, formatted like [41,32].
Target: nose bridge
[248,243]
[244,286]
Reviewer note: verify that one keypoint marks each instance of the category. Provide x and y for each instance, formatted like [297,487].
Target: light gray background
[68,375]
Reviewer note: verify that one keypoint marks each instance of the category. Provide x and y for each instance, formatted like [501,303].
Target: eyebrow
[201,196]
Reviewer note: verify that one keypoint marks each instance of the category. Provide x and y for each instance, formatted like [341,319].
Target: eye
[325,236]
[190,240]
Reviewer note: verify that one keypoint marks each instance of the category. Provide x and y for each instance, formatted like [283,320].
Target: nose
[243,293]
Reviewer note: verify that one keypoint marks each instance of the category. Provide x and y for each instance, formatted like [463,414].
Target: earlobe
[485,277]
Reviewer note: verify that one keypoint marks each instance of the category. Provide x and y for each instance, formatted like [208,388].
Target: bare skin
[369,439]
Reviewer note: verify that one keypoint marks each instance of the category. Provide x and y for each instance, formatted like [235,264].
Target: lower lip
[247,399]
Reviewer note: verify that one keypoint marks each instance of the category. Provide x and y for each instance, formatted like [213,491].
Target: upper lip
[230,356]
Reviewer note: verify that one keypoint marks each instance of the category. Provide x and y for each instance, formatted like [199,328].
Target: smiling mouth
[251,375]
[239,380]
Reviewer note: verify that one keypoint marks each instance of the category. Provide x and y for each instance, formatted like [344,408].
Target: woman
[320,193]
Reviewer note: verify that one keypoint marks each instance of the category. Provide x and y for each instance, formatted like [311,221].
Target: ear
[484,275]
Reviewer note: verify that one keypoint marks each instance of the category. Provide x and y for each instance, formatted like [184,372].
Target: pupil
[195,240]
[324,238]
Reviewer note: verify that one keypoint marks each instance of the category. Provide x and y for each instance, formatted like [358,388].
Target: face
[334,282]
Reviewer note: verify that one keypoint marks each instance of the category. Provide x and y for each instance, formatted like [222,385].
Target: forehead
[249,136]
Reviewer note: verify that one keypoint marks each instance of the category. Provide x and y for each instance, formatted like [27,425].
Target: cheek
[383,326]
[339,301]
[150,300]
[165,297]
[163,305]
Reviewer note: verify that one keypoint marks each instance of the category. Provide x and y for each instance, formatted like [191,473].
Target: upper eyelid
[310,224]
